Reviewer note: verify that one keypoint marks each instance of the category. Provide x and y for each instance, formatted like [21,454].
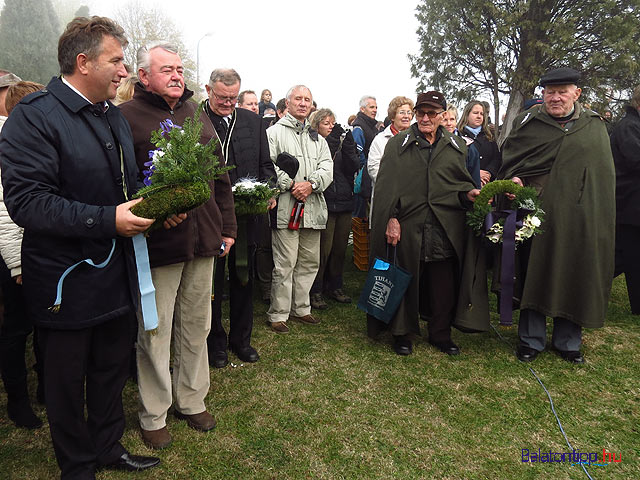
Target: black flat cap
[288,164]
[560,76]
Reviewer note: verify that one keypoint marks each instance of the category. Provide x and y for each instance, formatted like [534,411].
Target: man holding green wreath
[562,149]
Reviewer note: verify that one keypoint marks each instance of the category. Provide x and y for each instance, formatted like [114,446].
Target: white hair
[143,57]
[364,100]
[294,88]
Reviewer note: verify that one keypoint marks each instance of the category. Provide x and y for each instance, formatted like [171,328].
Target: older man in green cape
[422,191]
[562,149]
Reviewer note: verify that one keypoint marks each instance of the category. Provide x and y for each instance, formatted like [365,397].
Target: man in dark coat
[562,150]
[181,260]
[245,146]
[68,171]
[422,192]
[625,146]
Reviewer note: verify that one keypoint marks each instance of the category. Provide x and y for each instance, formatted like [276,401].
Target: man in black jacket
[245,146]
[68,170]
[365,128]
[625,146]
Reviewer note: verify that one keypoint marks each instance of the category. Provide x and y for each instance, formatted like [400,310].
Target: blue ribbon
[513,220]
[145,283]
[55,308]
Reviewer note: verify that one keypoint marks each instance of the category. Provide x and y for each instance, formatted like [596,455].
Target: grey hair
[143,57]
[227,76]
[363,100]
[296,87]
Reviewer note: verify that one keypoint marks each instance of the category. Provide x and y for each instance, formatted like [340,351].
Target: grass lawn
[325,402]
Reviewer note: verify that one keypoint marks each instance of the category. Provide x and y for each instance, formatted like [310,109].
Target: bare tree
[144,24]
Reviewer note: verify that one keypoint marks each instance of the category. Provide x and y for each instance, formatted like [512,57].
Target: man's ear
[143,76]
[81,64]
[577,93]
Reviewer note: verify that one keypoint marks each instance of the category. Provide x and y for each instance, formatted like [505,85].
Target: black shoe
[246,354]
[133,463]
[574,356]
[22,415]
[402,345]
[526,354]
[218,359]
[449,347]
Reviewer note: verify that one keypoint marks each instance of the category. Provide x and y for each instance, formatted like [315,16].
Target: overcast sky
[340,49]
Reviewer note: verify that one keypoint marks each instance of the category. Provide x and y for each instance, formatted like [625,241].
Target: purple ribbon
[513,220]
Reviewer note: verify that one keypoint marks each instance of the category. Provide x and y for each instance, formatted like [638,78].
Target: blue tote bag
[385,286]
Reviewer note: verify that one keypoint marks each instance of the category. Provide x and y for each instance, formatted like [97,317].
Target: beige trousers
[183,299]
[296,258]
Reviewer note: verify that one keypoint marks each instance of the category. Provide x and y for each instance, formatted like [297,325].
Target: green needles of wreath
[178,171]
[525,197]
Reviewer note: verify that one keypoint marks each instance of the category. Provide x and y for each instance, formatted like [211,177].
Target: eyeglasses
[430,113]
[406,112]
[220,99]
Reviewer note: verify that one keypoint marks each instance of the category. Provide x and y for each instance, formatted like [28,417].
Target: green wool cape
[570,267]
[407,183]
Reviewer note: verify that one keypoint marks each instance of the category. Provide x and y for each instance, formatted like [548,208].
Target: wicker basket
[360,229]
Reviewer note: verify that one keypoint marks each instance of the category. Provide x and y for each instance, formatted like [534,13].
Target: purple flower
[148,173]
[168,125]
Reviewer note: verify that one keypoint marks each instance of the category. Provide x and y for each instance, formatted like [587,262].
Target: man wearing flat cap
[422,191]
[562,150]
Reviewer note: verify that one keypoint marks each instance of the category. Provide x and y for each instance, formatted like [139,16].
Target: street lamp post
[208,34]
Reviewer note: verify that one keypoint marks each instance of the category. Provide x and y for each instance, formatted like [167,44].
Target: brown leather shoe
[279,327]
[198,421]
[156,439]
[308,319]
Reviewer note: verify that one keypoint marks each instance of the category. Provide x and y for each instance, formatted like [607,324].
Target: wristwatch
[314,185]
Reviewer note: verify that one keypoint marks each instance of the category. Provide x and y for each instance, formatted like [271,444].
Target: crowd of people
[71,161]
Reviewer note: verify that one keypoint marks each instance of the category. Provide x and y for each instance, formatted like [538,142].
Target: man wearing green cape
[422,192]
[562,149]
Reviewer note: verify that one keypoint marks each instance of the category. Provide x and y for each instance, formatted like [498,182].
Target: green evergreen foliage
[252,197]
[180,170]
[469,47]
[29,31]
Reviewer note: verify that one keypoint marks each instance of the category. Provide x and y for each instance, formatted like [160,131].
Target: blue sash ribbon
[147,291]
[145,283]
[55,308]
[513,220]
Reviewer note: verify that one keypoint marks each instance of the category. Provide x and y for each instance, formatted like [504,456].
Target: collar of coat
[66,95]
[412,137]
[157,100]
[539,113]
[290,121]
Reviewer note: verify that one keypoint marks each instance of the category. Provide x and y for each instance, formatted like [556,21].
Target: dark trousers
[532,332]
[95,359]
[16,327]
[438,298]
[240,306]
[437,301]
[333,246]
[264,254]
[628,261]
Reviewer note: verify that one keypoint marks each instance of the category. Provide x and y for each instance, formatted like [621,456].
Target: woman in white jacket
[16,325]
[401,113]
